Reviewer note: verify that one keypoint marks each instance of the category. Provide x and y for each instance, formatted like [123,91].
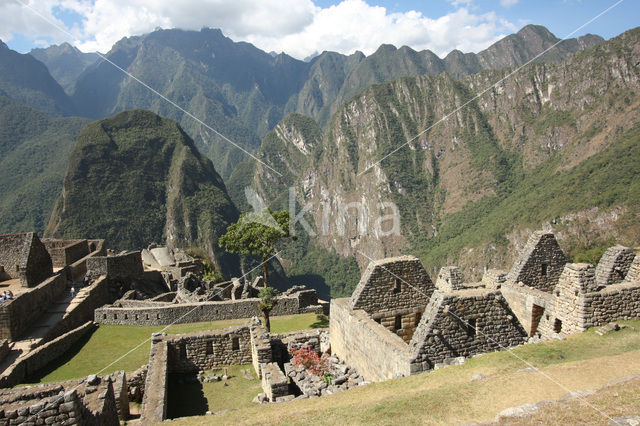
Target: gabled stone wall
[540,263]
[614,265]
[391,284]
[464,323]
[24,256]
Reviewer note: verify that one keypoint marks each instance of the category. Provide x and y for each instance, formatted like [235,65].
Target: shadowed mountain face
[26,80]
[34,149]
[65,63]
[243,92]
[137,178]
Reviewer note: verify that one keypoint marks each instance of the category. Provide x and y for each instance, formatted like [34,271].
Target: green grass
[448,396]
[101,352]
[198,398]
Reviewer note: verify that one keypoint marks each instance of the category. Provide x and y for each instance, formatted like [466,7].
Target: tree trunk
[265,265]
[267,321]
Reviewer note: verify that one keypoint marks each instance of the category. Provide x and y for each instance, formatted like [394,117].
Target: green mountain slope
[34,149]
[65,63]
[137,178]
[27,81]
[547,147]
[244,92]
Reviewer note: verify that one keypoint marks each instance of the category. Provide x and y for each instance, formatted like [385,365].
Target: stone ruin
[398,323]
[182,295]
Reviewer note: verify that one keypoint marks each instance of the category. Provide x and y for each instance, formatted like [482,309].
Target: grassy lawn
[448,396]
[198,398]
[104,351]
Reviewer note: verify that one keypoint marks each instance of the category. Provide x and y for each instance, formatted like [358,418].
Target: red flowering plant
[309,359]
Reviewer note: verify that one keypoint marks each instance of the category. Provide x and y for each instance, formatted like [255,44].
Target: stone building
[24,257]
[396,323]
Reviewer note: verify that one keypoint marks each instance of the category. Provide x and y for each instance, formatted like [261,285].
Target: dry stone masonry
[542,296]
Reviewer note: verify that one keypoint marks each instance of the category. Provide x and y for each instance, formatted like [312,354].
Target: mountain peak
[537,31]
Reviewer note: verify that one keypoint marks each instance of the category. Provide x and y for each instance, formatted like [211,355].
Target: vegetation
[34,150]
[146,173]
[267,302]
[257,234]
[126,347]
[449,396]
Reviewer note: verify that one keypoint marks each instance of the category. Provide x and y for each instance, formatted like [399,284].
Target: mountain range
[543,147]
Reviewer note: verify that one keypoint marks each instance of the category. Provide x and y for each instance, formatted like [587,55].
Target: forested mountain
[544,147]
[34,149]
[137,178]
[65,63]
[26,80]
[243,92]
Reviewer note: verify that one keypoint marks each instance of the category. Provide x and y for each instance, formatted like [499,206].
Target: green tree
[257,233]
[267,302]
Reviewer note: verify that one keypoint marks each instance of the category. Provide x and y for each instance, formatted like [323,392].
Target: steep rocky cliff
[137,178]
[513,152]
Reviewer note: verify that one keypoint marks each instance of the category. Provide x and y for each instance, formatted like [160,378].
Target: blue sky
[304,27]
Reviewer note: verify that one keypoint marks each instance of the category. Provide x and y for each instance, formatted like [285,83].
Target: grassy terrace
[111,342]
[448,396]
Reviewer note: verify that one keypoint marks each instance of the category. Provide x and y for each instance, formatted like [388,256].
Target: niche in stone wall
[544,269]
[472,327]
[235,343]
[557,326]
[209,347]
[397,287]
[183,351]
[398,323]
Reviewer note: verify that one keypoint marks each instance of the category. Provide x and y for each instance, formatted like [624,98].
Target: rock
[93,380]
[578,394]
[285,398]
[225,377]
[523,410]
[629,420]
[340,380]
[260,398]
[477,377]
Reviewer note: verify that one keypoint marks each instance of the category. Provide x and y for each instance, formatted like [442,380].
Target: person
[85,280]
[2,297]
[10,295]
[73,292]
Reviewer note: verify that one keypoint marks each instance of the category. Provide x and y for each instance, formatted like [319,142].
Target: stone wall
[449,279]
[154,402]
[17,315]
[204,350]
[527,304]
[494,278]
[81,402]
[274,382]
[198,312]
[4,349]
[633,275]
[24,256]
[261,352]
[127,265]
[39,357]
[65,252]
[540,263]
[614,265]
[98,294]
[391,284]
[366,345]
[121,393]
[579,302]
[464,323]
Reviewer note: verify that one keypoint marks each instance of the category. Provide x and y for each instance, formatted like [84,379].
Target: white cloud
[508,3]
[297,27]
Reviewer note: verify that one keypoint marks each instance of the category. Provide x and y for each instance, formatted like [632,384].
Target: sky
[302,28]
